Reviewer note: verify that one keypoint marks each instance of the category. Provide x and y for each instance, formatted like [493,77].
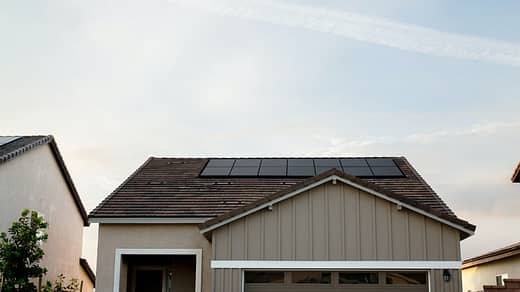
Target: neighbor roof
[173,188]
[498,254]
[23,144]
[516,175]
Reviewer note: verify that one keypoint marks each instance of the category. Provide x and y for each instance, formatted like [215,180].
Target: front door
[148,281]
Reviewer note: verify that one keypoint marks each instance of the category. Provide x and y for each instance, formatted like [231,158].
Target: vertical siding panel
[254,238]
[334,212]
[433,240]
[352,234]
[286,230]
[417,237]
[383,243]
[367,226]
[450,238]
[237,239]
[221,243]
[319,218]
[271,239]
[400,240]
[301,227]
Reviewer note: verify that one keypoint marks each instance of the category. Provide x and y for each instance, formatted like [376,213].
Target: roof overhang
[503,253]
[88,270]
[147,220]
[516,175]
[334,177]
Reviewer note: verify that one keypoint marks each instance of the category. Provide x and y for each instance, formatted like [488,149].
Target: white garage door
[325,281]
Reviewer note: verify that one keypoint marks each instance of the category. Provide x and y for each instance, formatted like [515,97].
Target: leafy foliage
[21,252]
[60,286]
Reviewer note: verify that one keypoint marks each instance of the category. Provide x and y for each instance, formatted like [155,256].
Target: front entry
[159,273]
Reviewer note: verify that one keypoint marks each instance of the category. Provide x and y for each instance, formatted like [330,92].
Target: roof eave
[516,174]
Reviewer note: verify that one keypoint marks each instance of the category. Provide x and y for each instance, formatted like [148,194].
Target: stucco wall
[34,181]
[475,278]
[148,236]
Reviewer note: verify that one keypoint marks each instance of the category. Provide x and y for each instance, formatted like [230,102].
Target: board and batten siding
[335,222]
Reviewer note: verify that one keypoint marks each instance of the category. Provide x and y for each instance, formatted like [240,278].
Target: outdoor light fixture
[446,275]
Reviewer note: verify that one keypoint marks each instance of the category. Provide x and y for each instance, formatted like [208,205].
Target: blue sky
[118,81]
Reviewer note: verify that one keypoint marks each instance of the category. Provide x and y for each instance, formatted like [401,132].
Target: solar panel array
[8,139]
[300,167]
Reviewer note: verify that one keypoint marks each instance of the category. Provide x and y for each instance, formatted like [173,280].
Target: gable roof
[23,144]
[88,270]
[335,175]
[516,175]
[171,188]
[498,254]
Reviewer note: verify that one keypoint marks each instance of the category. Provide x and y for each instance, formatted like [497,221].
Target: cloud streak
[373,30]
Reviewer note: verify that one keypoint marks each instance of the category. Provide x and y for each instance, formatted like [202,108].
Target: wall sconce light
[446,275]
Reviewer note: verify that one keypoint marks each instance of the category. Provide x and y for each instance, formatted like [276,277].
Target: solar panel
[247,162]
[358,171]
[386,171]
[381,162]
[300,162]
[244,171]
[273,170]
[216,171]
[354,162]
[274,162]
[220,163]
[8,139]
[301,167]
[322,162]
[301,171]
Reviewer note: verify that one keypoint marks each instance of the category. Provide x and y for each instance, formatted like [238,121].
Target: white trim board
[336,265]
[335,178]
[119,252]
[148,220]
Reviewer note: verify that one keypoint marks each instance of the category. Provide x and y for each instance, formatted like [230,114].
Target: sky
[118,81]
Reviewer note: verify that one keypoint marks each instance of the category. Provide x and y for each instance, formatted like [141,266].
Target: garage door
[324,281]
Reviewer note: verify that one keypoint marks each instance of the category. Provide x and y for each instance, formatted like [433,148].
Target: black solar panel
[301,167]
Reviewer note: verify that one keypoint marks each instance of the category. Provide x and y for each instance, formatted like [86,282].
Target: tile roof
[501,253]
[13,149]
[172,188]
[516,175]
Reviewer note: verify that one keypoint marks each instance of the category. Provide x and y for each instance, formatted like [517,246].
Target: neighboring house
[33,176]
[491,268]
[495,266]
[276,224]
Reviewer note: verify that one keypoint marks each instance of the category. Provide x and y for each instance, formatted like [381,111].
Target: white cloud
[374,30]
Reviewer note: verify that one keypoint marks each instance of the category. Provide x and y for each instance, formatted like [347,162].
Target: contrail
[373,30]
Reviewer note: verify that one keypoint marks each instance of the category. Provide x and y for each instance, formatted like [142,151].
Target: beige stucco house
[277,224]
[33,176]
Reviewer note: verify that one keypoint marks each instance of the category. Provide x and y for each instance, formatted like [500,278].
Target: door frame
[119,252]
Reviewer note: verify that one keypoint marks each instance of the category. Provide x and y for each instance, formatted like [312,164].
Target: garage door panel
[317,288]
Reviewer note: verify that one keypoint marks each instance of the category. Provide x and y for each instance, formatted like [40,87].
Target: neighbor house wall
[476,277]
[335,222]
[34,181]
[147,236]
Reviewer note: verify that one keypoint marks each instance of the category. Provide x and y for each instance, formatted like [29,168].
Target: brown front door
[148,281]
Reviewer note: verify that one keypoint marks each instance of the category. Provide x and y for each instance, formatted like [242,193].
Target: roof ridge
[15,152]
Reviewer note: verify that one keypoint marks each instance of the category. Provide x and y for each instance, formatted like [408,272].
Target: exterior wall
[34,181]
[335,222]
[147,236]
[476,277]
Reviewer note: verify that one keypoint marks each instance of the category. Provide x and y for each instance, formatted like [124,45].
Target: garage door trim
[327,265]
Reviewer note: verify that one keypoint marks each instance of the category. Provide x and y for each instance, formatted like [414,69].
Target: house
[491,268]
[34,176]
[277,224]
[494,267]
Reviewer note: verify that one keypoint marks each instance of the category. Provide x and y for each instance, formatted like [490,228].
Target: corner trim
[107,220]
[119,252]
[332,265]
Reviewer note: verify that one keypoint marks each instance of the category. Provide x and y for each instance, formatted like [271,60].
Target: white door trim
[119,252]
[331,265]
